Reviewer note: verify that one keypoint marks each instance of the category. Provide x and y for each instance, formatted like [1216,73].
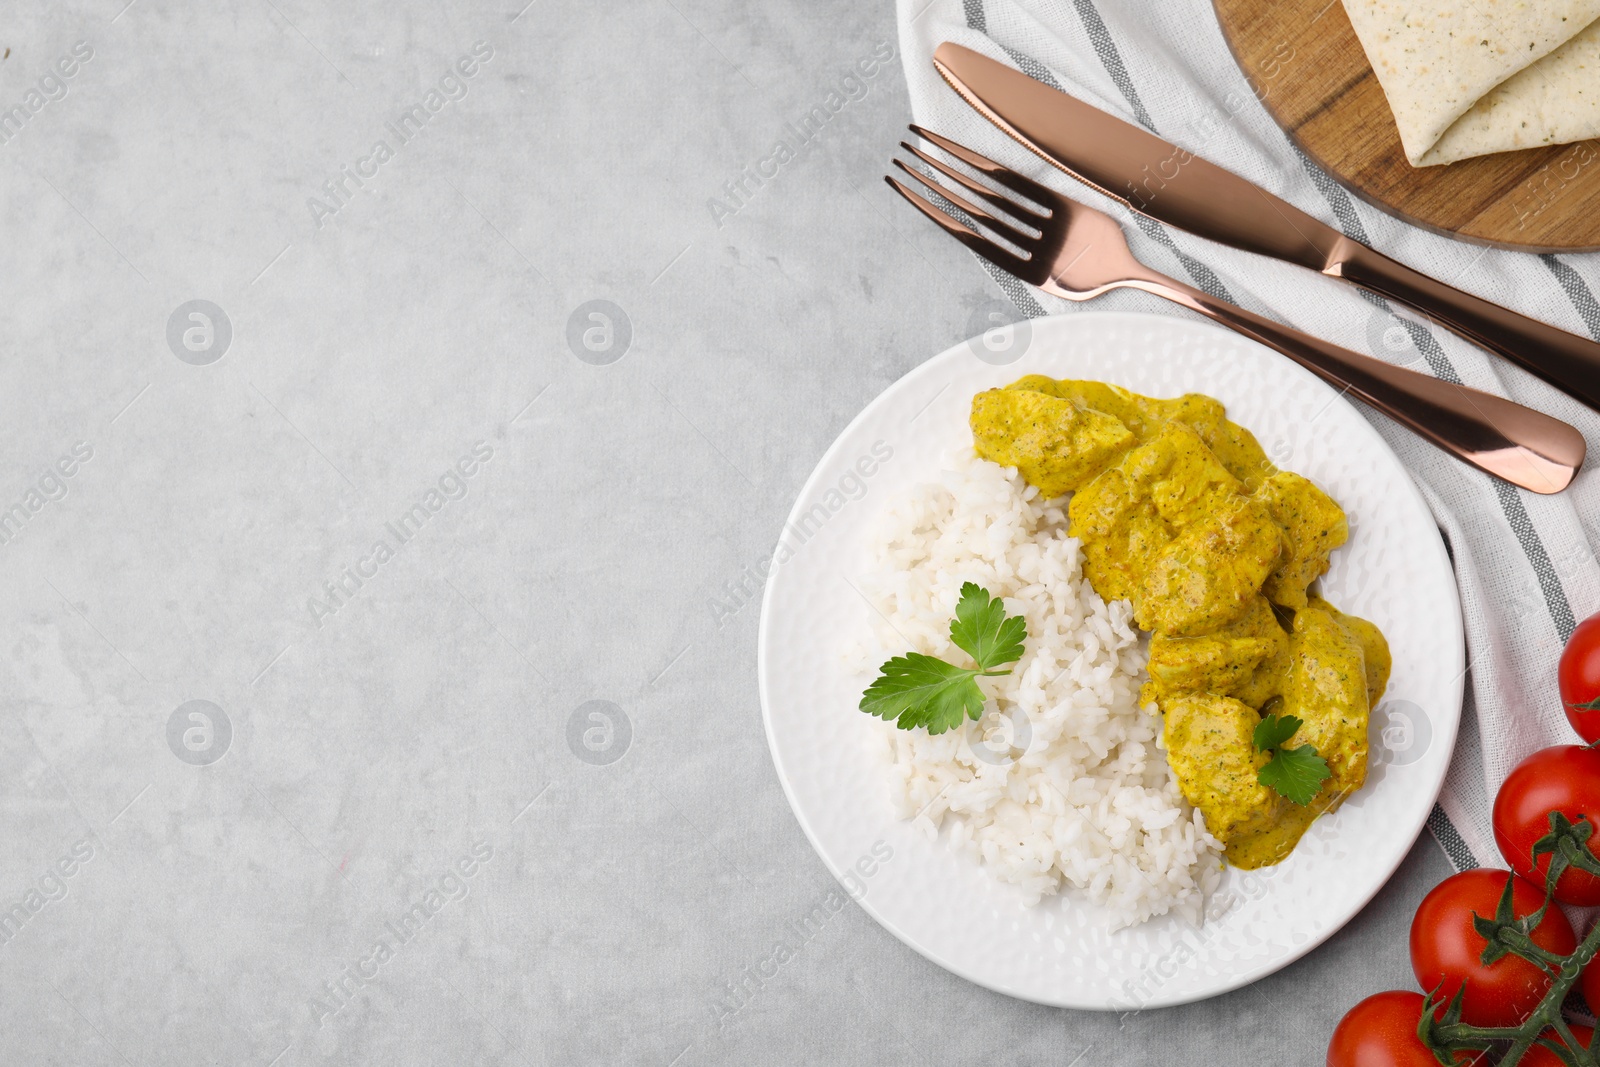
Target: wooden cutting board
[1303,60]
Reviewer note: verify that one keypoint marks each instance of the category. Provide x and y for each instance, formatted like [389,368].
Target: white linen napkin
[1524,563]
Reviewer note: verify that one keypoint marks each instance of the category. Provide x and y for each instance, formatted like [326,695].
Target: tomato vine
[1440,1028]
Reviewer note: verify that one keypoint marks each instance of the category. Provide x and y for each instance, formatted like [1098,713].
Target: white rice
[1091,803]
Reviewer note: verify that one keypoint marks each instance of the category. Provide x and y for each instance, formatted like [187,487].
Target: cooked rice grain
[1091,803]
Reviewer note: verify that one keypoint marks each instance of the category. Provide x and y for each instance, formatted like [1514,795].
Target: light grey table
[334,503]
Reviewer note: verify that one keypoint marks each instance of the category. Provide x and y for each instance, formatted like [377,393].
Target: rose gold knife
[1174,186]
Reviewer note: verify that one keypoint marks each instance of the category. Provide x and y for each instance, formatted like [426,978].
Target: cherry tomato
[1381,1031]
[1565,779]
[1580,678]
[1539,1056]
[1446,949]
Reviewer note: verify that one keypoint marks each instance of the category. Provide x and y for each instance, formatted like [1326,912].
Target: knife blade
[1172,185]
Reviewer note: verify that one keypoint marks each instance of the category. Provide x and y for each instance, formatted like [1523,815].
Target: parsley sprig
[1295,773]
[917,690]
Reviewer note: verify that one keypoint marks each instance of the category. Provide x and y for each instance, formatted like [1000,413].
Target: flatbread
[1555,101]
[1438,59]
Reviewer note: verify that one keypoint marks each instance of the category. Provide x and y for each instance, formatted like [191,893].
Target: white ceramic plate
[1394,571]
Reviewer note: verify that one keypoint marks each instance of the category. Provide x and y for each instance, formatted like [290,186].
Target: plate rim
[1251,975]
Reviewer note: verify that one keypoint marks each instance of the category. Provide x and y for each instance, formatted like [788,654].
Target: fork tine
[1027,212]
[1003,258]
[1004,227]
[996,171]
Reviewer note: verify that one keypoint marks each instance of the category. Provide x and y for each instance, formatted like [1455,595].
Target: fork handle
[1525,447]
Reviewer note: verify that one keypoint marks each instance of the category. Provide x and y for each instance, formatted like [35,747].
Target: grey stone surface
[427,737]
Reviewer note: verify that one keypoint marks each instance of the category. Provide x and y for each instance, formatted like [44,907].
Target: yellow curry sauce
[1180,512]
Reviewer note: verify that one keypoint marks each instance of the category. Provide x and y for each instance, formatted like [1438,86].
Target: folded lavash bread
[1469,77]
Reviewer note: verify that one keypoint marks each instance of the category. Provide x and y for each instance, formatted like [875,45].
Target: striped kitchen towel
[1524,563]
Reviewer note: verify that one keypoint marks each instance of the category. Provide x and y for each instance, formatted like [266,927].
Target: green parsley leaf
[1296,773]
[982,631]
[920,690]
[917,690]
[1274,730]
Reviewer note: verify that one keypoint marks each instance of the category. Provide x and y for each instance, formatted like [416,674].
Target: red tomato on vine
[1580,679]
[1446,949]
[1564,779]
[1381,1031]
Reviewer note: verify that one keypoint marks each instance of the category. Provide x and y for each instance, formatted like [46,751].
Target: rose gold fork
[1080,253]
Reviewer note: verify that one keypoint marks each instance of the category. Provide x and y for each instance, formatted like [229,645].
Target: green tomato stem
[1566,1034]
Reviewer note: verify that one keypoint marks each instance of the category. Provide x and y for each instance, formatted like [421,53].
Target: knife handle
[1565,360]
[1525,447]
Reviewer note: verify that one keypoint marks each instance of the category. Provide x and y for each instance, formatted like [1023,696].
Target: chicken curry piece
[1180,512]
